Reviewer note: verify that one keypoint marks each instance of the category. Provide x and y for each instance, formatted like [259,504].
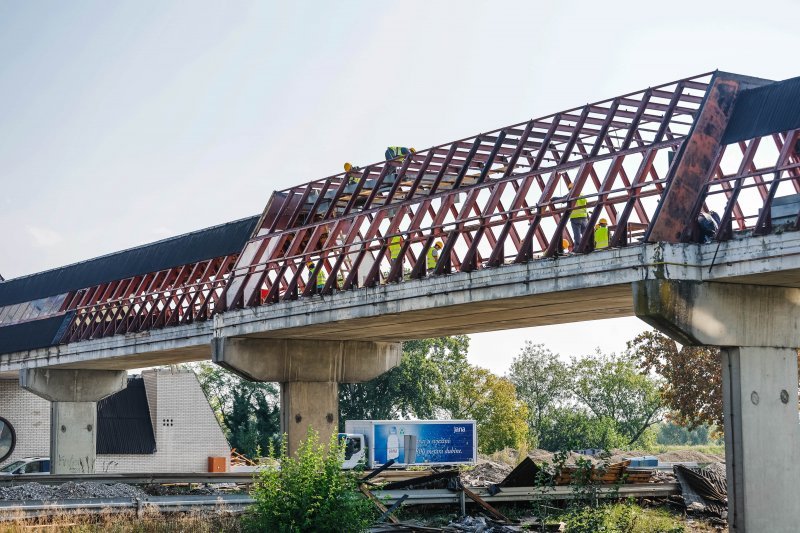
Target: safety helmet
[413,150]
[310,264]
[603,221]
[438,244]
[564,243]
[348,166]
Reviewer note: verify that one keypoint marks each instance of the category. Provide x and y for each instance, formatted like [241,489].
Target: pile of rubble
[69,491]
[480,524]
[485,473]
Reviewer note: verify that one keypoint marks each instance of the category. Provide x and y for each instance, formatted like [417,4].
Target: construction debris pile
[704,491]
[485,474]
[70,491]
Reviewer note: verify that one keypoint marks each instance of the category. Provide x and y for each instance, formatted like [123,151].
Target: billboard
[409,442]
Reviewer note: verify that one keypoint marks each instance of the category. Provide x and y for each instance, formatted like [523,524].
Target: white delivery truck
[409,442]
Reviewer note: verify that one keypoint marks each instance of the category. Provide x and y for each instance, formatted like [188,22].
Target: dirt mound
[687,456]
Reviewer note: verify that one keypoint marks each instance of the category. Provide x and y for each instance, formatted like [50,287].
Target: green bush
[309,492]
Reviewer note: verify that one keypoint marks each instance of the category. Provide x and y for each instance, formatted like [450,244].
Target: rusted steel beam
[695,159]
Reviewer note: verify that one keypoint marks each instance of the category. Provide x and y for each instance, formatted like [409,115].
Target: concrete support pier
[758,329]
[309,372]
[73,412]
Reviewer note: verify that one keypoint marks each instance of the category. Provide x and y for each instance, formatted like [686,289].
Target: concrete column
[758,329]
[73,412]
[309,372]
[309,404]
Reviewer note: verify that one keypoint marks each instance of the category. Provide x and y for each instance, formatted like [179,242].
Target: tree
[249,411]
[415,388]
[570,428]
[611,387]
[492,402]
[692,385]
[542,382]
[670,433]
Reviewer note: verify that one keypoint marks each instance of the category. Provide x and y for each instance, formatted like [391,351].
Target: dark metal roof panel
[32,335]
[765,110]
[217,241]
[123,422]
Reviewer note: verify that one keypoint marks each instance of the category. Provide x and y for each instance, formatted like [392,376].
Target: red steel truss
[491,199]
[496,198]
[746,178]
[169,297]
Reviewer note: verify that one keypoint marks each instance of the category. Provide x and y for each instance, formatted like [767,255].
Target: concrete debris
[717,468]
[660,476]
[69,491]
[485,473]
[480,524]
[193,490]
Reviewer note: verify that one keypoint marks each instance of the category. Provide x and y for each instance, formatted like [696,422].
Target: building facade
[162,422]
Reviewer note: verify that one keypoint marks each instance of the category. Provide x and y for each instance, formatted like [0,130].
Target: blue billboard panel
[410,442]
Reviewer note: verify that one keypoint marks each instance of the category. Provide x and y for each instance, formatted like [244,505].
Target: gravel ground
[70,491]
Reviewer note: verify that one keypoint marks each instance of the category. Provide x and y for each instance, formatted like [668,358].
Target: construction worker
[601,235]
[395,246]
[395,154]
[398,152]
[353,173]
[578,218]
[433,254]
[709,224]
[321,277]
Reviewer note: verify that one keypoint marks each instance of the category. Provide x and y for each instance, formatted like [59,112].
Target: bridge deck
[568,289]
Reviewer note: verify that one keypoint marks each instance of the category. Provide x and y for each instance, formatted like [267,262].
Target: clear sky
[124,122]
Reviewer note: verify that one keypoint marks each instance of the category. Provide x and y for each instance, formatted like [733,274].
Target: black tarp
[123,421]
[764,110]
[208,243]
[32,335]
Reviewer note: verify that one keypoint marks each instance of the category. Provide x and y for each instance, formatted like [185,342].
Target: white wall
[187,432]
[30,417]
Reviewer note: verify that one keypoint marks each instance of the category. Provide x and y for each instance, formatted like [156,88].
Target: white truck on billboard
[409,442]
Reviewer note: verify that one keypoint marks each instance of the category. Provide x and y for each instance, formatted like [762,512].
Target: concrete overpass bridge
[245,294]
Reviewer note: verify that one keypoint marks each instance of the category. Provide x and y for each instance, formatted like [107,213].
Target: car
[30,466]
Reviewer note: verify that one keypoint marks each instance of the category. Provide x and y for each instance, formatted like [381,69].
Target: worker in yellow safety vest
[398,152]
[578,218]
[601,235]
[321,276]
[433,254]
[353,173]
[395,246]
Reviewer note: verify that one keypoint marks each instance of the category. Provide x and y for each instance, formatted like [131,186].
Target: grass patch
[150,522]
[703,448]
[622,518]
